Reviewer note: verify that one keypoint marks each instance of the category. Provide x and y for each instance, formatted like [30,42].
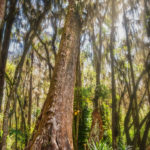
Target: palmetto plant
[99,146]
[103,145]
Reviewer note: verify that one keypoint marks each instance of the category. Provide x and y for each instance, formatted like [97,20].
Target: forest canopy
[74,75]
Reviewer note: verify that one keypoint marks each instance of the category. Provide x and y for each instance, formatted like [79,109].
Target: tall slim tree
[53,129]
[115,115]
[30,92]
[147,16]
[5,32]
[133,97]
[96,132]
[2,12]
[77,102]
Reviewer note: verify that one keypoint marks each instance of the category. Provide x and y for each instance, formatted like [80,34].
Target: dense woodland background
[74,73]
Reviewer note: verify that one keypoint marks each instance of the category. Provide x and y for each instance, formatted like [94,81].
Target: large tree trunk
[53,130]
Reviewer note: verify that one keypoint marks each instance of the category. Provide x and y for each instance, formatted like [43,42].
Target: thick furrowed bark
[53,130]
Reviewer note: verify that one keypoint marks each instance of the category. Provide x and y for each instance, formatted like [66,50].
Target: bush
[99,146]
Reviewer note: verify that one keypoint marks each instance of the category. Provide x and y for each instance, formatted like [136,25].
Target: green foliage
[19,133]
[99,146]
[106,112]
[21,137]
[104,145]
[1,120]
[103,91]
[107,135]
[86,92]
[84,126]
[10,69]
[1,133]
[85,118]
[121,144]
[37,112]
[11,142]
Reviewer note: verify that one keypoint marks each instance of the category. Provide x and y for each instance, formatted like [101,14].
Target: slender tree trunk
[96,132]
[147,16]
[50,67]
[2,13]
[115,116]
[77,99]
[16,123]
[147,126]
[5,125]
[23,120]
[53,130]
[4,46]
[133,96]
[145,135]
[4,54]
[30,93]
